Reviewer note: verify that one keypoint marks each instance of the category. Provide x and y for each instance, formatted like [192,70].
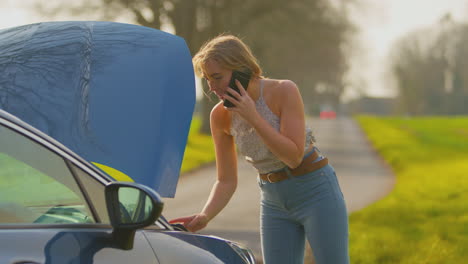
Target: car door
[46,214]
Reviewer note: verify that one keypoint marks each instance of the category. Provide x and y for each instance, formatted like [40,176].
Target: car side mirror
[131,206]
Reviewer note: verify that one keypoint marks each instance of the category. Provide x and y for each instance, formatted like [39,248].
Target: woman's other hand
[193,223]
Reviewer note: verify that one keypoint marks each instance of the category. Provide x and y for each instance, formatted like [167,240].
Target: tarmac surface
[363,176]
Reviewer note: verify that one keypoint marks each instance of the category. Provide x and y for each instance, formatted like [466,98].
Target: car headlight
[244,252]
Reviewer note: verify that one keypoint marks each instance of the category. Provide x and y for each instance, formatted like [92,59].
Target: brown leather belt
[307,165]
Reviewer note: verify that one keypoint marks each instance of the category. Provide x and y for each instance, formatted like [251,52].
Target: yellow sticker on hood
[116,174]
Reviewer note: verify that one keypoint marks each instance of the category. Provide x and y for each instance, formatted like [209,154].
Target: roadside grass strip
[425,218]
[199,149]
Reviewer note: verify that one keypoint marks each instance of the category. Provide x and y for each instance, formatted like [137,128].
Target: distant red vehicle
[327,114]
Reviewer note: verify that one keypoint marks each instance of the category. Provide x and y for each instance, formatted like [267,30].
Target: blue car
[93,125]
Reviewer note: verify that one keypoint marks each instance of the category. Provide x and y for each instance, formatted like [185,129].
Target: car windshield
[36,185]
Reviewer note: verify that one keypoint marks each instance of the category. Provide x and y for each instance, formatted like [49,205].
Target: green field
[425,217]
[199,150]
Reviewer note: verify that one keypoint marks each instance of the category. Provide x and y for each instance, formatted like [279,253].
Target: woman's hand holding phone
[243,77]
[243,104]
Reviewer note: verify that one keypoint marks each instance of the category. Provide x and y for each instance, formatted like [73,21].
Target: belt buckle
[268,177]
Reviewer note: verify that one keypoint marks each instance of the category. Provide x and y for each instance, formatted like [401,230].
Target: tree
[306,46]
[430,69]
[411,62]
[300,40]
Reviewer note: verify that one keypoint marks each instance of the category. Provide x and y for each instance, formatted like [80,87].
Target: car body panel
[70,245]
[94,242]
[198,249]
[91,245]
[119,95]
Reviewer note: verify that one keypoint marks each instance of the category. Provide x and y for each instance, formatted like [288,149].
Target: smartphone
[243,77]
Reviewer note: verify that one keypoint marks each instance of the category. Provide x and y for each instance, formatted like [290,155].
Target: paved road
[363,176]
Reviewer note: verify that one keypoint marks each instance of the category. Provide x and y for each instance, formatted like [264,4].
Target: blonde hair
[230,52]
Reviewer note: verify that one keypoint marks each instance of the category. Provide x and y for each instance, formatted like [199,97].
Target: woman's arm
[226,162]
[226,165]
[287,144]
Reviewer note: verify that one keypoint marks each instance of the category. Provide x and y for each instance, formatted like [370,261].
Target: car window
[95,191]
[36,185]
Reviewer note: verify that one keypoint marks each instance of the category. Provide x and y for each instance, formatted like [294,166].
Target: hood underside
[121,96]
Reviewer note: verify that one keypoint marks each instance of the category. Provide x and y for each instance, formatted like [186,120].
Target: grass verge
[199,150]
[425,218]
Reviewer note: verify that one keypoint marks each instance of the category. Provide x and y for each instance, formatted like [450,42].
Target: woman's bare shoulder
[287,85]
[219,111]
[220,117]
[283,93]
[279,83]
[281,87]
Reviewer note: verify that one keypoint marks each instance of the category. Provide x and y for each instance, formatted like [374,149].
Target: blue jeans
[311,206]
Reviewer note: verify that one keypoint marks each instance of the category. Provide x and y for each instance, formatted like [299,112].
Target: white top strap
[261,88]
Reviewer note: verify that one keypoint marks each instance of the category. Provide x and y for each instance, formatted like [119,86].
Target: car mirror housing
[131,206]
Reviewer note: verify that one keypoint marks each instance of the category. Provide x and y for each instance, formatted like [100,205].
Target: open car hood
[121,96]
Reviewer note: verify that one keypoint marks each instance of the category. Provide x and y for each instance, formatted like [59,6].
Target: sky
[381,23]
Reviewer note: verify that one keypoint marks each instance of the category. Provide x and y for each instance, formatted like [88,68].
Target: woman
[300,193]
